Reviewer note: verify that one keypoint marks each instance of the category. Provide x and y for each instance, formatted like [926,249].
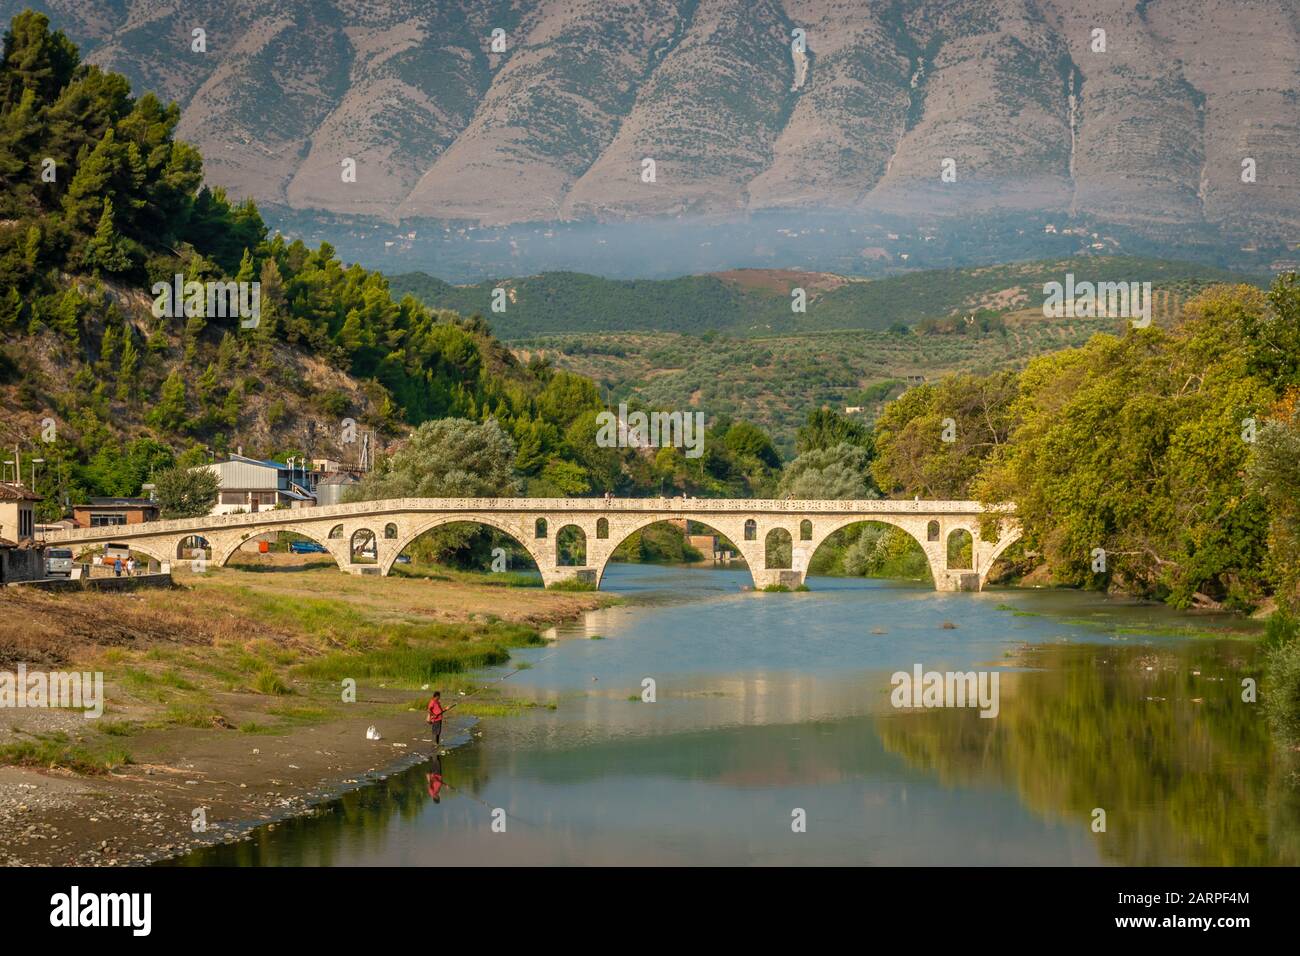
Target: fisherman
[435,717]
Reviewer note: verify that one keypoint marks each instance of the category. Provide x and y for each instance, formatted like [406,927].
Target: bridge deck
[540,506]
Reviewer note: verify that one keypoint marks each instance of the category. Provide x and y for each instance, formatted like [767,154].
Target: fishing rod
[498,680]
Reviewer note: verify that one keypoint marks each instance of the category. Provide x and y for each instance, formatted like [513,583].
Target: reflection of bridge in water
[756,527]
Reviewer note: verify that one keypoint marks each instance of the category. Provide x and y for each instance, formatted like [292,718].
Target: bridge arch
[917,530]
[518,534]
[1010,535]
[599,556]
[311,533]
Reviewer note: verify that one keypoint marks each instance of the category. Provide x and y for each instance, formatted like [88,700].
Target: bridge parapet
[538,506]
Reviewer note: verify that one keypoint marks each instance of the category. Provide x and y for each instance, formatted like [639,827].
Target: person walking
[436,710]
[130,566]
[117,567]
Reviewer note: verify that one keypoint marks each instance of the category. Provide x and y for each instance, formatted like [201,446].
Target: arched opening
[778,550]
[189,547]
[805,530]
[668,542]
[390,531]
[571,547]
[871,549]
[467,546]
[363,548]
[99,560]
[1011,565]
[932,531]
[961,550]
[539,529]
[280,551]
[751,529]
[602,528]
[336,531]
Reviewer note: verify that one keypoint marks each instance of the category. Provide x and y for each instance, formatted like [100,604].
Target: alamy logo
[1102,300]
[134,910]
[70,691]
[655,430]
[948,689]
[213,300]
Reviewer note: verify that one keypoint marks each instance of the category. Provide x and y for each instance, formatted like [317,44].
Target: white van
[58,562]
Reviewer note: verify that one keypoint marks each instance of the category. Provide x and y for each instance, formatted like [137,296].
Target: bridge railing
[532,506]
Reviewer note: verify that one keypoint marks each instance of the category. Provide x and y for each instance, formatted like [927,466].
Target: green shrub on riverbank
[1281,691]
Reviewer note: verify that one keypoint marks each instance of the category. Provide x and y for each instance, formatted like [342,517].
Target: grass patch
[269,682]
[253,727]
[116,728]
[301,712]
[572,584]
[49,751]
[193,714]
[775,589]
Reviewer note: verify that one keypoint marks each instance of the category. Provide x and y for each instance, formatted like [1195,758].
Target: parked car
[306,547]
[403,559]
[58,561]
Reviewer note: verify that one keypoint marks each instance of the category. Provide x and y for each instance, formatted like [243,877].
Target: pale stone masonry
[395,523]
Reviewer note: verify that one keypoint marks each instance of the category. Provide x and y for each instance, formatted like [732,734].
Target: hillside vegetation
[757,302]
[107,392]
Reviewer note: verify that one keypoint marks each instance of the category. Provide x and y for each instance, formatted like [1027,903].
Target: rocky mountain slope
[1152,131]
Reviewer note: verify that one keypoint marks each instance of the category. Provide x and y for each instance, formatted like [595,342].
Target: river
[772,739]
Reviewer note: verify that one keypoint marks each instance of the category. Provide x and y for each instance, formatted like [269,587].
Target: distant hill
[757,302]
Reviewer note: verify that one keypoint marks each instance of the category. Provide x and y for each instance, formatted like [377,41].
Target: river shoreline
[188,759]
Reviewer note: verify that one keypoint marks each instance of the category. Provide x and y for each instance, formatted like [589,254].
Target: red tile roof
[12,492]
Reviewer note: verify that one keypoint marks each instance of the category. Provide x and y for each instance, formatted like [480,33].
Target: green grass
[116,728]
[253,727]
[51,751]
[408,665]
[572,584]
[269,682]
[192,714]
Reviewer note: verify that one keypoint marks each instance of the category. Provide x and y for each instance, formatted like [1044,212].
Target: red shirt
[435,784]
[435,710]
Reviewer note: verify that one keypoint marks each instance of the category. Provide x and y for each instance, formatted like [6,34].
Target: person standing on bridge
[436,710]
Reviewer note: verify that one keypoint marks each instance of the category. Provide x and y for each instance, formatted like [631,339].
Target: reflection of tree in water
[1181,782]
[362,816]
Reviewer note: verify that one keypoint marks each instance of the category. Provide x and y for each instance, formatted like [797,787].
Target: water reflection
[768,704]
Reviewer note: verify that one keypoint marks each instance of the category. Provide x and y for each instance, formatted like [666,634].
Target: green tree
[105,252]
[448,458]
[841,472]
[172,408]
[186,492]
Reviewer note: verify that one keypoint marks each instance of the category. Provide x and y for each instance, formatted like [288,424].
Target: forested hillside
[757,302]
[99,201]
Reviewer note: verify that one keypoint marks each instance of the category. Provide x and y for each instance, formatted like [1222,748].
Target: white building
[247,484]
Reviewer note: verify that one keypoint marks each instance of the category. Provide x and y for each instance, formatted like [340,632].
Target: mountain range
[744,106]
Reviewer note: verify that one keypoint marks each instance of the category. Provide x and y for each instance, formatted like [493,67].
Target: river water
[772,739]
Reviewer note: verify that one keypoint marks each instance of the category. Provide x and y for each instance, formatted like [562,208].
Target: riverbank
[224,700]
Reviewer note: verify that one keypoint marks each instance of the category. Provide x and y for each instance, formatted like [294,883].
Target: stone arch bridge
[386,528]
